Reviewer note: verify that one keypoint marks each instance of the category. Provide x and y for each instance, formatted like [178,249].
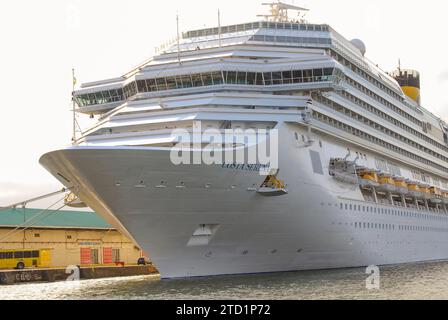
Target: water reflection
[417,281]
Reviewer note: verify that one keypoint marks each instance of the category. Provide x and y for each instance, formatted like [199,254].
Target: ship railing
[168,44]
[211,43]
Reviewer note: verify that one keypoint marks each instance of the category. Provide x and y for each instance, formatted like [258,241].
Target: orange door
[107,256]
[86,256]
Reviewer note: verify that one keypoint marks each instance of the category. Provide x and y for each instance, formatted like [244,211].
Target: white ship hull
[336,112]
[315,226]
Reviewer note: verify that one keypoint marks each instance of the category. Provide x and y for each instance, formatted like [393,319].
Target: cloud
[443,76]
[12,192]
[444,114]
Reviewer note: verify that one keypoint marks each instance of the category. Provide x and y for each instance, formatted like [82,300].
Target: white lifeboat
[387,183]
[425,189]
[445,197]
[368,178]
[72,200]
[343,171]
[272,187]
[436,195]
[271,192]
[345,177]
[414,190]
[401,185]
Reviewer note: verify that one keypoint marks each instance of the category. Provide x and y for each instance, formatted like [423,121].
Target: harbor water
[414,281]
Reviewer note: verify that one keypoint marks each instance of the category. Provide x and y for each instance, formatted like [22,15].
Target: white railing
[164,46]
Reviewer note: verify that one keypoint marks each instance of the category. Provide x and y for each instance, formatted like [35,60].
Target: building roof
[38,218]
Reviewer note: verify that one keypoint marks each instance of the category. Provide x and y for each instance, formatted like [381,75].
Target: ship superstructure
[363,174]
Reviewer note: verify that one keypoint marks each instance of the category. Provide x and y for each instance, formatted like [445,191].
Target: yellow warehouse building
[71,237]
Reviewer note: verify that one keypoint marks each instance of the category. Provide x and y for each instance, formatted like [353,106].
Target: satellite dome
[360,45]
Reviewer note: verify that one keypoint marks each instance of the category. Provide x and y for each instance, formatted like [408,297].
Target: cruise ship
[362,172]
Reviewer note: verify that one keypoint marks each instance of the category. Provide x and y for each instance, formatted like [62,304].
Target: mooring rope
[26,225]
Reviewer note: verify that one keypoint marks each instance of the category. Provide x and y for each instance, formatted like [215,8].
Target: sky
[41,41]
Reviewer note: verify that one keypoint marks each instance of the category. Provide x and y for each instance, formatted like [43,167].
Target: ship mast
[178,40]
[74,106]
[76,126]
[279,12]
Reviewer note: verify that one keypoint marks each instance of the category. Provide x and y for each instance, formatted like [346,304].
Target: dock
[11,277]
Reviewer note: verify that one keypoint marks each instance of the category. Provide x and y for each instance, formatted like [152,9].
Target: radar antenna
[279,12]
